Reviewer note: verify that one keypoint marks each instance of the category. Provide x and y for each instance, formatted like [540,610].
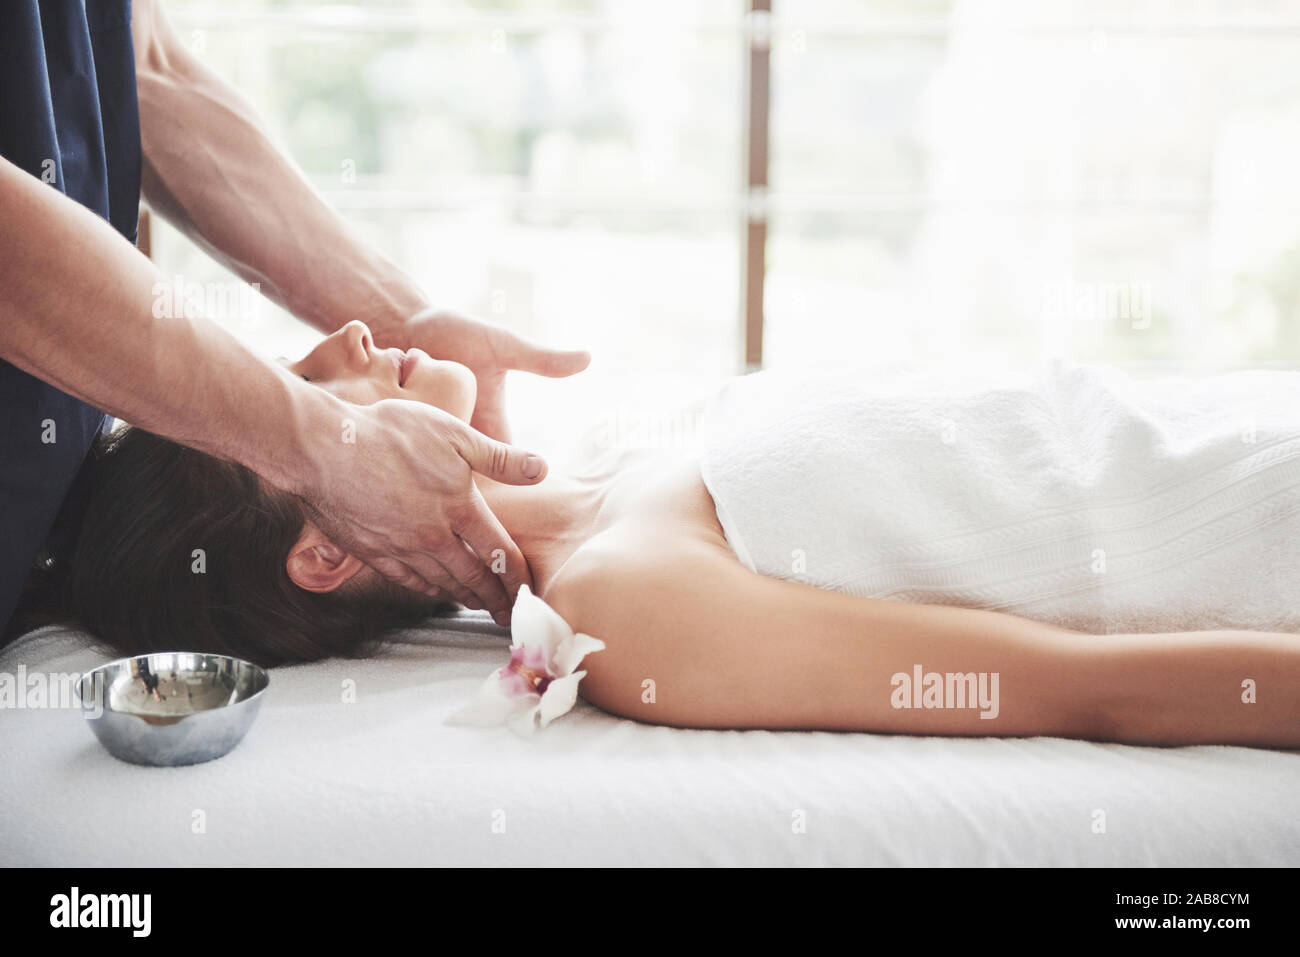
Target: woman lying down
[1079,555]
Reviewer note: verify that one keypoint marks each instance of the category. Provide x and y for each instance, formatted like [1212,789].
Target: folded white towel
[1075,495]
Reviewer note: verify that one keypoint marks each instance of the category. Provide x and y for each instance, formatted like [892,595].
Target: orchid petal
[524,723]
[497,701]
[559,698]
[572,650]
[544,654]
[535,624]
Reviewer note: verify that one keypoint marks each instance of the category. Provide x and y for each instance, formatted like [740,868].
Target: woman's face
[347,364]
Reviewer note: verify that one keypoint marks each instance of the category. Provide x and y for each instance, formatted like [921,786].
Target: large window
[1000,179]
[964,180]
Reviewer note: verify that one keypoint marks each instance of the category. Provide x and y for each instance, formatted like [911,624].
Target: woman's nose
[358,344]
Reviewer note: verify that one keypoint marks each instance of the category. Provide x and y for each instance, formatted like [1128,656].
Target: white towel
[1075,494]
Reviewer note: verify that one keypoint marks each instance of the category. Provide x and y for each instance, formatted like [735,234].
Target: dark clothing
[68,116]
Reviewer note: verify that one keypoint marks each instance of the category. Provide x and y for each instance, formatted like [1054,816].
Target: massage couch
[383,781]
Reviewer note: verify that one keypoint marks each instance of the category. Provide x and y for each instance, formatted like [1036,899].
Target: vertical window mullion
[753,265]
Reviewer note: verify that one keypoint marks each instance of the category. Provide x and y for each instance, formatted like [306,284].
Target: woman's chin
[448,385]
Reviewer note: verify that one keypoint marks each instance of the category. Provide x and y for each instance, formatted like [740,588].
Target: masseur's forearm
[78,313]
[213,170]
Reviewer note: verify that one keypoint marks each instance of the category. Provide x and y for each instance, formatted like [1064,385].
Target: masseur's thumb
[499,461]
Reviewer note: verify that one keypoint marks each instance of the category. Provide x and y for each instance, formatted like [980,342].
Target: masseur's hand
[489,352]
[394,486]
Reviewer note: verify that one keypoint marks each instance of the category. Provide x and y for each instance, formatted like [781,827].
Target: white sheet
[384,782]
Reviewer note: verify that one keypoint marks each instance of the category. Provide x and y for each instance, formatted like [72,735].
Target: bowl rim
[265,672]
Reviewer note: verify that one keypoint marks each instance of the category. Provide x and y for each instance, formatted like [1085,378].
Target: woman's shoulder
[658,546]
[658,594]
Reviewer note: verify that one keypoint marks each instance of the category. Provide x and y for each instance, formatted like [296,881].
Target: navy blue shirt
[68,116]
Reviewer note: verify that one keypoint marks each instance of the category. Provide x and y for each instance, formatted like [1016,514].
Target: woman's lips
[405,364]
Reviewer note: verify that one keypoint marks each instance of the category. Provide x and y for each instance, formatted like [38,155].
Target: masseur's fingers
[553,363]
[498,461]
[439,583]
[461,594]
[422,570]
[408,506]
[489,415]
[516,353]
[488,540]
[447,583]
[474,572]
[444,564]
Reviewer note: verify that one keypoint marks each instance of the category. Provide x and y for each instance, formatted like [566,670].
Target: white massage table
[384,782]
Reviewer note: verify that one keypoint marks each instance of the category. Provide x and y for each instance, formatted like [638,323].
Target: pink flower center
[535,678]
[534,673]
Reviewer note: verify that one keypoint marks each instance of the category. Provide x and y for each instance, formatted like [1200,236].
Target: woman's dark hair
[159,547]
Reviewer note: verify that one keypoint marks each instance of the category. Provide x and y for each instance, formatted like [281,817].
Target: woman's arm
[695,639]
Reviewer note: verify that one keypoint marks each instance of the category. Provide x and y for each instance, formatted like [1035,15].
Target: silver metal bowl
[172,708]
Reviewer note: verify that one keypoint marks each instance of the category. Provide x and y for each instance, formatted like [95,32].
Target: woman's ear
[317,564]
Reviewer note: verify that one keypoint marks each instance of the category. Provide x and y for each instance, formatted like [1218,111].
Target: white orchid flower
[539,684]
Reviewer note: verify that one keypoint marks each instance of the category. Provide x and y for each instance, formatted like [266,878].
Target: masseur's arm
[78,312]
[212,169]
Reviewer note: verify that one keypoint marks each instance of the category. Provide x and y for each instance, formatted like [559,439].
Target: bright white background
[974,181]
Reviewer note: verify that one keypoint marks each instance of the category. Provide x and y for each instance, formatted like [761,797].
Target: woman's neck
[548,521]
